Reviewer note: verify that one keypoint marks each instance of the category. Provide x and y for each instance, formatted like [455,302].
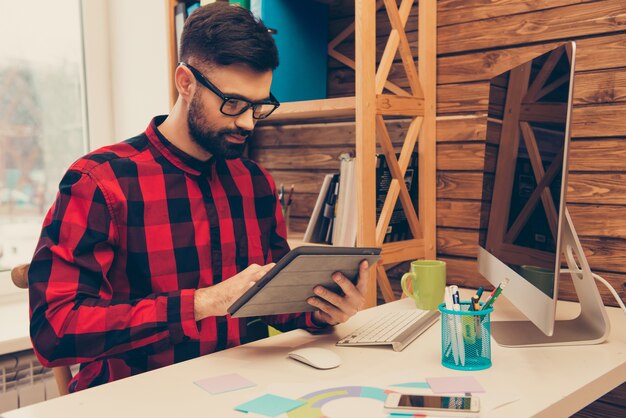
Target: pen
[458,323]
[281,194]
[290,195]
[451,325]
[494,295]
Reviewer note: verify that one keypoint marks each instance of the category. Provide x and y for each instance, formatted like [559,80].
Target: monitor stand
[590,327]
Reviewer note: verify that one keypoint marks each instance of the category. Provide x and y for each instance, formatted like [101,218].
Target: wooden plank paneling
[461,128]
[597,53]
[450,128]
[459,11]
[464,272]
[596,188]
[589,220]
[461,185]
[326,158]
[460,156]
[303,181]
[599,221]
[594,121]
[596,87]
[459,214]
[610,155]
[463,98]
[607,254]
[559,23]
[457,242]
[599,154]
[599,188]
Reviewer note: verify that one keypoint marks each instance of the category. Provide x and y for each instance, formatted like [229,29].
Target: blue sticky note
[269,405]
[420,385]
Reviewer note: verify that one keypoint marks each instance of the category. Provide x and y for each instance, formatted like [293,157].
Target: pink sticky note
[454,384]
[224,383]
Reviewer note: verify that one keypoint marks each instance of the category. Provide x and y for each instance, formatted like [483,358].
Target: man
[152,239]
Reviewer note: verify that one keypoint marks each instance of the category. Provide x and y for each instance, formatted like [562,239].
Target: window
[43,124]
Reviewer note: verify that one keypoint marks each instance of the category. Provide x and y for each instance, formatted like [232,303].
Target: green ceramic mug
[541,278]
[425,283]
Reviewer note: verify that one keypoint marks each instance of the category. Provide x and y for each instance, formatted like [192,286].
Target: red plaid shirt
[135,229]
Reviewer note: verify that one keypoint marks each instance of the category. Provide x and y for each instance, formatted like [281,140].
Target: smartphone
[434,405]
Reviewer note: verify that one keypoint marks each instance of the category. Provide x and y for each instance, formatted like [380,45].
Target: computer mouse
[320,358]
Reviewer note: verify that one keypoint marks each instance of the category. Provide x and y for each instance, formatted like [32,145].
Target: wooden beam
[391,48]
[507,155]
[390,105]
[537,165]
[546,70]
[341,107]
[397,185]
[396,252]
[543,112]
[405,49]
[365,36]
[383,283]
[394,88]
[427,61]
[172,47]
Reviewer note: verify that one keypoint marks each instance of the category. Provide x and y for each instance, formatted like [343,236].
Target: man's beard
[214,142]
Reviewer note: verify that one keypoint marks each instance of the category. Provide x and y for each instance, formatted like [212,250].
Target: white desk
[14,333]
[550,382]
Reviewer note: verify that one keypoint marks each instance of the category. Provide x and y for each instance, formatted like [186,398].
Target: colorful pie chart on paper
[316,401]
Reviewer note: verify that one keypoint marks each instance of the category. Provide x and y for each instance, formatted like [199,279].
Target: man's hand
[215,300]
[335,309]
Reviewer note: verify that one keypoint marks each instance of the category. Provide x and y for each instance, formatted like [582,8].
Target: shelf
[323,109]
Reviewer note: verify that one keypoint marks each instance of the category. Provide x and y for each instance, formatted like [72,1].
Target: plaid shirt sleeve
[75,316]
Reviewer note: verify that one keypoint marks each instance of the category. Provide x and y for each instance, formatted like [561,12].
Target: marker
[494,295]
[479,292]
[475,304]
[476,307]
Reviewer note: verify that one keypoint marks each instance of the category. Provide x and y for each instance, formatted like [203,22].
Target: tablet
[287,286]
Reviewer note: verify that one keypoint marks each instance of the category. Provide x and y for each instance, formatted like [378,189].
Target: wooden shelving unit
[375,99]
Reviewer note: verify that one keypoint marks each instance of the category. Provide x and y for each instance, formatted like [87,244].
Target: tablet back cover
[289,289]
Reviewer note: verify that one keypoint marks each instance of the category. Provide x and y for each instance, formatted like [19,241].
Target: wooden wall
[478,39]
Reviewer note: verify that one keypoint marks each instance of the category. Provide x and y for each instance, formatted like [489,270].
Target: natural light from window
[42,115]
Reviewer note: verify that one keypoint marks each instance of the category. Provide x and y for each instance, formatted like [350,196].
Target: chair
[62,374]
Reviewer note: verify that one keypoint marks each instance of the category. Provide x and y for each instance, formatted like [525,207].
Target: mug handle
[404,284]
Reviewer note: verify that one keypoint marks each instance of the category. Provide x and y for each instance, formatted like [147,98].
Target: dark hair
[221,34]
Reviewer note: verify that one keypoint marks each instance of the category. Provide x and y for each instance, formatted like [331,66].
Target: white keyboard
[397,329]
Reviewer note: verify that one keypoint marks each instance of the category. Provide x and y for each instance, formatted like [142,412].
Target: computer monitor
[528,228]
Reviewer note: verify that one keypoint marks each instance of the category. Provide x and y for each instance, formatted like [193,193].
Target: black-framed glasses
[235,106]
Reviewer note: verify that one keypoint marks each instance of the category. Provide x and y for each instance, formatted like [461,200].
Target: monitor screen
[524,180]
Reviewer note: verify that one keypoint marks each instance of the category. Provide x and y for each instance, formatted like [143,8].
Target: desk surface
[14,334]
[550,381]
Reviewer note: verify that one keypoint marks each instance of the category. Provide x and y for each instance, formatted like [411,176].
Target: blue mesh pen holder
[465,338]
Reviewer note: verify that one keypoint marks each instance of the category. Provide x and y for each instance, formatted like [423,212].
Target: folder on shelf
[313,226]
[327,217]
[398,229]
[344,231]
